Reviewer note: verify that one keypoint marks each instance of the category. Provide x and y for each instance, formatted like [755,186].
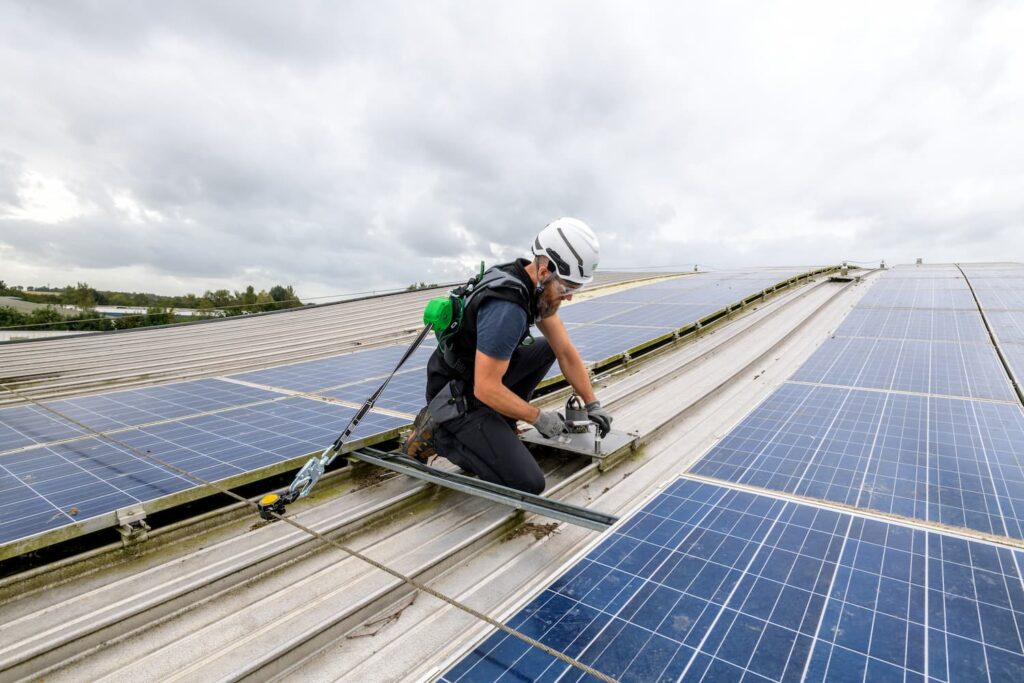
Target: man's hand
[599,417]
[549,423]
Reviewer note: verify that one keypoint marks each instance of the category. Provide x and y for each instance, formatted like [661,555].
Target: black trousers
[483,441]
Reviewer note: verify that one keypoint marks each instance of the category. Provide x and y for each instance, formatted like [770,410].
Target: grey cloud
[345,146]
[10,174]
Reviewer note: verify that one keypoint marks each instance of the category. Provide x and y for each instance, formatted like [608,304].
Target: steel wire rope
[557,654]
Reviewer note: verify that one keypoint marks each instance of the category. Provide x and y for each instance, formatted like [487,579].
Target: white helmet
[572,248]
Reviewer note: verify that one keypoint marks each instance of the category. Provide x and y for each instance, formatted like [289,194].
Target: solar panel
[51,486]
[334,371]
[167,401]
[970,369]
[1001,299]
[406,392]
[594,310]
[918,324]
[1007,325]
[22,426]
[709,583]
[918,298]
[600,341]
[951,461]
[638,295]
[1015,359]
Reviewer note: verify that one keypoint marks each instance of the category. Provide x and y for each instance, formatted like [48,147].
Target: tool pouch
[449,403]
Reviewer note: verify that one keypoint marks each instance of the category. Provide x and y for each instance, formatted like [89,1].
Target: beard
[547,308]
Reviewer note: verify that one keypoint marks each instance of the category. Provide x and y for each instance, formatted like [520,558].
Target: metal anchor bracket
[131,524]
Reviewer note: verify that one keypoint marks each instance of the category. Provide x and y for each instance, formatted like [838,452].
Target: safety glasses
[565,289]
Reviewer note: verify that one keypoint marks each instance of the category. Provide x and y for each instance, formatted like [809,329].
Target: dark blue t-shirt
[499,327]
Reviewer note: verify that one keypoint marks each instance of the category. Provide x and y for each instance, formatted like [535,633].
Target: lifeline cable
[316,534]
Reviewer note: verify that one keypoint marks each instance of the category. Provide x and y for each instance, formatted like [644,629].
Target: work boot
[419,443]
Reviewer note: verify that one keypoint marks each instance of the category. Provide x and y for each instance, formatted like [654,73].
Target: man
[493,366]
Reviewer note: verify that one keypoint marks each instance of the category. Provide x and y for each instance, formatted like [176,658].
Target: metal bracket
[131,524]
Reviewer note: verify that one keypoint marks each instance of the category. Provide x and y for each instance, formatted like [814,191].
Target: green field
[21,306]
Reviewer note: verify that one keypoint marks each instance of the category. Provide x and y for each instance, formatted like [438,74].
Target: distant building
[121,311]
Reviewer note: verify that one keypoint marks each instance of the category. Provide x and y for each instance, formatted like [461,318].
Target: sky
[344,147]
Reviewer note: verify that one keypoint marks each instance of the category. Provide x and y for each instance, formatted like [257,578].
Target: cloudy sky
[342,147]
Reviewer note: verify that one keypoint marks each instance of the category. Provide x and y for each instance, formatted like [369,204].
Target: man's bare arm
[569,360]
[488,388]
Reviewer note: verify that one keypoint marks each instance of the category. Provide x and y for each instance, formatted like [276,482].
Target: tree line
[159,309]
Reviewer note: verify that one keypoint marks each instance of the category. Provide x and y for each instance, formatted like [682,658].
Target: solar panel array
[999,288]
[906,412]
[614,322]
[54,474]
[922,445]
[710,583]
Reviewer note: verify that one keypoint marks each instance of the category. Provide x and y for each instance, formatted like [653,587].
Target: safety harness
[453,318]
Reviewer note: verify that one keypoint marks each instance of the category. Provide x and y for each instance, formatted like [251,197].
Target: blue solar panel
[1007,325]
[951,461]
[27,425]
[599,341]
[637,295]
[920,324]
[912,297]
[1014,354]
[52,486]
[164,402]
[594,310]
[22,426]
[662,315]
[406,392]
[348,368]
[971,370]
[1001,299]
[708,583]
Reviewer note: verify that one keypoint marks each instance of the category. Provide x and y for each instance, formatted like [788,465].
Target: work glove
[599,417]
[549,423]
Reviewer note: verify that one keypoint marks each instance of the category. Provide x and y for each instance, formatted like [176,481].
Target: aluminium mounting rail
[573,514]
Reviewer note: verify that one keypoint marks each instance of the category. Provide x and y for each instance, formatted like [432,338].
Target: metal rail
[564,512]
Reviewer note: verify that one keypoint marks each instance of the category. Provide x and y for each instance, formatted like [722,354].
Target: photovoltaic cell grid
[956,462]
[1000,291]
[1008,326]
[50,486]
[970,370]
[706,583]
[406,392]
[28,425]
[918,297]
[348,368]
[917,324]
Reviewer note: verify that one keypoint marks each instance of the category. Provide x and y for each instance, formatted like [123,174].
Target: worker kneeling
[481,381]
